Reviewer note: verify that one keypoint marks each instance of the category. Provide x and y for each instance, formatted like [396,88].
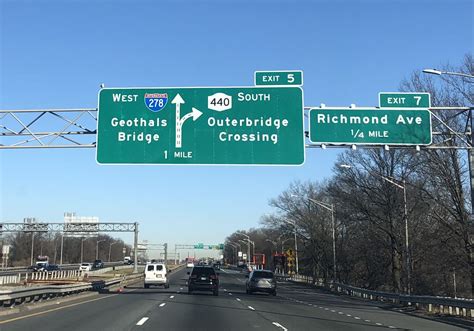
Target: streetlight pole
[97,248]
[330,207]
[405,216]
[32,247]
[296,251]
[62,245]
[248,246]
[234,248]
[110,248]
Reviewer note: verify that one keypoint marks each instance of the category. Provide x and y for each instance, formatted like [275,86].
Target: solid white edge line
[142,321]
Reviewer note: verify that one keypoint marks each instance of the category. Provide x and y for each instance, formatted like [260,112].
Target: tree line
[49,244]
[367,191]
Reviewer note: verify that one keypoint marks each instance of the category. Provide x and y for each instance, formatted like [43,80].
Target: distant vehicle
[244,268]
[98,264]
[127,260]
[190,265]
[156,274]
[85,267]
[203,279]
[216,265]
[51,267]
[261,281]
[42,261]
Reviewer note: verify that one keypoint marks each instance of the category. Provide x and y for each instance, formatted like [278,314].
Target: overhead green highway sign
[280,78]
[201,125]
[404,100]
[370,126]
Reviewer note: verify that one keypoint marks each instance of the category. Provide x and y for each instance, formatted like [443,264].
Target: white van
[156,274]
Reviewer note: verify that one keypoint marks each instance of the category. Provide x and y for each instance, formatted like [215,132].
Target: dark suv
[203,279]
[261,281]
[98,264]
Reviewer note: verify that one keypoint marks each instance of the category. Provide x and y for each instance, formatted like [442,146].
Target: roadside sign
[370,126]
[239,254]
[244,256]
[199,246]
[201,125]
[279,78]
[404,100]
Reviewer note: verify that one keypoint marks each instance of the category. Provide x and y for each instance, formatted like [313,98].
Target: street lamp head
[432,71]
[344,166]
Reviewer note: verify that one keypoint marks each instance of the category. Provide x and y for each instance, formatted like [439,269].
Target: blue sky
[56,54]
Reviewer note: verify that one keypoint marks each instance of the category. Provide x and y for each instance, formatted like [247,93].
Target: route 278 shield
[156,101]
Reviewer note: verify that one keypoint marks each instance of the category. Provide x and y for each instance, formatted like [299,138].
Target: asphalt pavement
[295,307]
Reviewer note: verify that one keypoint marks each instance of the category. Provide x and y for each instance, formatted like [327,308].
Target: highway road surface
[294,308]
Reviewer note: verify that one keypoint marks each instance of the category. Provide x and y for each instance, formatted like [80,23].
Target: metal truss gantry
[48,128]
[76,228]
[77,128]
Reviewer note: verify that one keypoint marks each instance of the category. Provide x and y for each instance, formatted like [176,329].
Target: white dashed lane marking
[161,305]
[171,297]
[280,326]
[251,308]
[142,321]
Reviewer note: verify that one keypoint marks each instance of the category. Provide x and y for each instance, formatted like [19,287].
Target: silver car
[261,281]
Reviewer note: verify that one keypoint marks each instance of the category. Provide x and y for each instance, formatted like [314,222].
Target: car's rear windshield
[84,265]
[151,267]
[203,271]
[263,274]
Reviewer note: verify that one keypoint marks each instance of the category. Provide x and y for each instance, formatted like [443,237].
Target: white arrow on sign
[195,114]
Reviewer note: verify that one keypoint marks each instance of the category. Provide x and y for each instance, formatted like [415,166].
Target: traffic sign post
[370,126]
[404,100]
[279,78]
[207,126]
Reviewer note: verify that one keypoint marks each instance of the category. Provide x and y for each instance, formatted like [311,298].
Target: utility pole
[32,247]
[135,249]
[62,244]
[166,253]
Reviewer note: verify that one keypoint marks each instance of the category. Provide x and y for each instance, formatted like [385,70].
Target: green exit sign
[404,100]
[279,78]
[370,126]
[201,125]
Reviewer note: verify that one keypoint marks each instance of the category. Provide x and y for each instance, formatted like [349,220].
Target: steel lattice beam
[67,227]
[48,128]
[77,128]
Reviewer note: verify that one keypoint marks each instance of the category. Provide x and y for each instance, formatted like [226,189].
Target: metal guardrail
[16,296]
[22,277]
[13,297]
[432,304]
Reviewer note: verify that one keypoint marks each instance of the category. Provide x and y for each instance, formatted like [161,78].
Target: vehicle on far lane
[203,278]
[261,281]
[190,265]
[156,274]
[98,264]
[85,267]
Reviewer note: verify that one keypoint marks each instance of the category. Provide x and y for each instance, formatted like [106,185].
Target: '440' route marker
[201,125]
